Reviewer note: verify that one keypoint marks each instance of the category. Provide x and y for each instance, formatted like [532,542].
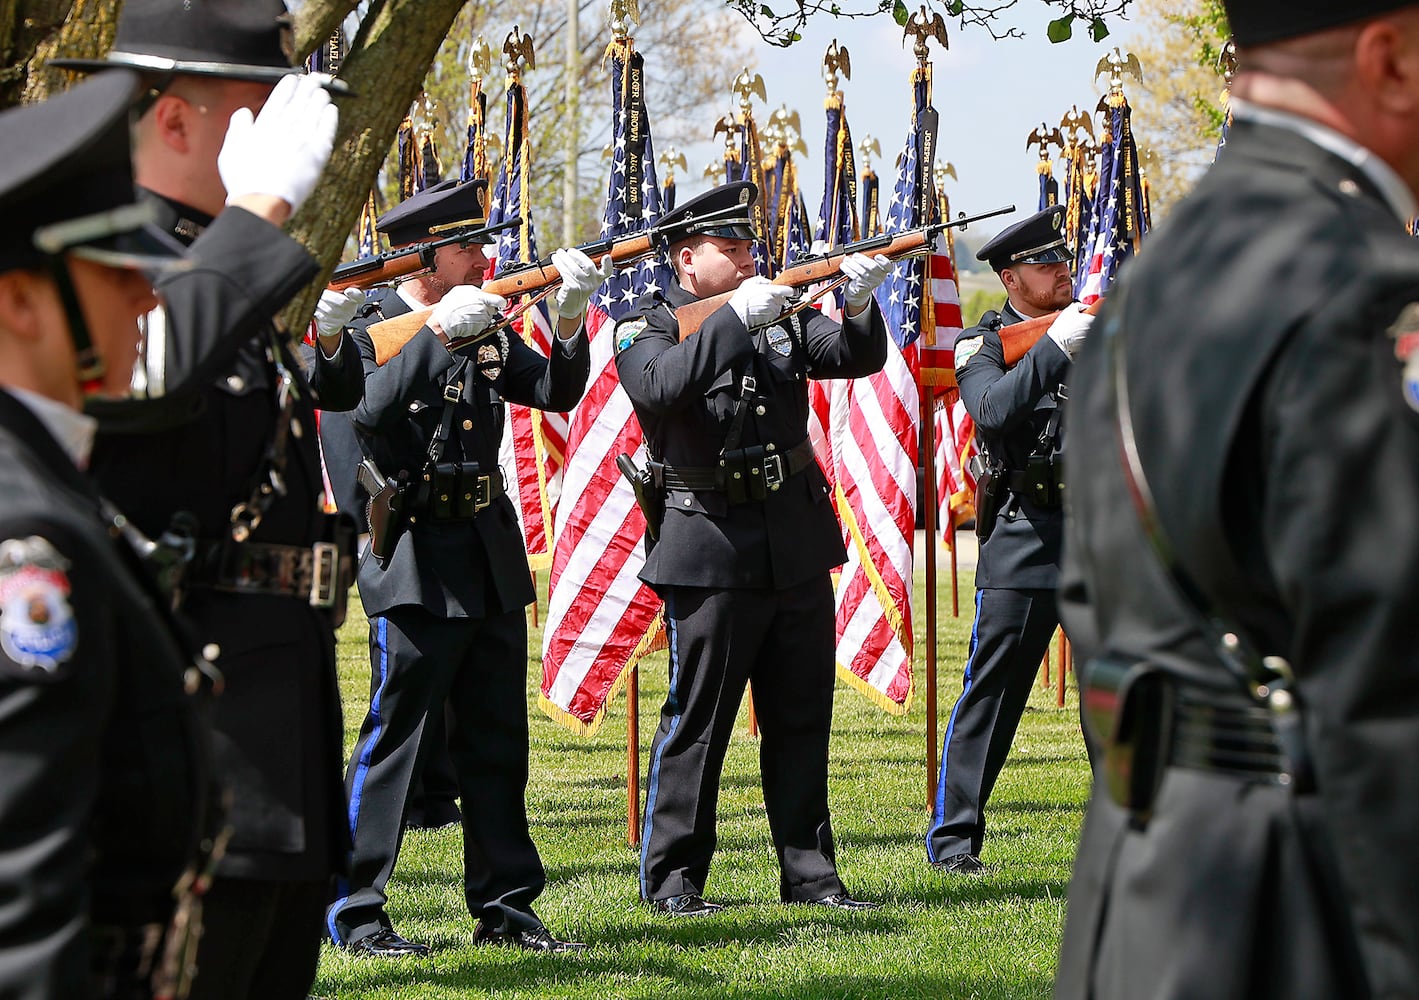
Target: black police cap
[232,39]
[1256,22]
[435,211]
[721,211]
[66,180]
[1036,240]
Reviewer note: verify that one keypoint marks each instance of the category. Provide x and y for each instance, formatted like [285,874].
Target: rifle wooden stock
[389,336]
[1018,338]
[692,316]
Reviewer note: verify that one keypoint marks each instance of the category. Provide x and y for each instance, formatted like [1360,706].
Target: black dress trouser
[1012,630]
[480,666]
[782,641]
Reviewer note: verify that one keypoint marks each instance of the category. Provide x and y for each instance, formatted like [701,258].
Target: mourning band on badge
[491,356]
[38,631]
[779,340]
[1404,331]
[627,331]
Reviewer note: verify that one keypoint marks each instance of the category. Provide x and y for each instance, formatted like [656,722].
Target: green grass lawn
[993,936]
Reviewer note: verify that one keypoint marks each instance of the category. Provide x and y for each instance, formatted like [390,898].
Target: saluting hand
[864,274]
[466,311]
[580,278]
[758,301]
[281,151]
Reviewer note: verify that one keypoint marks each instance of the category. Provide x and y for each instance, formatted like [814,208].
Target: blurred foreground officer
[231,142]
[743,555]
[445,584]
[1019,520]
[1252,829]
[102,783]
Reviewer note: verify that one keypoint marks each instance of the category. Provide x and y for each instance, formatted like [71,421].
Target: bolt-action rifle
[404,261]
[536,280]
[828,267]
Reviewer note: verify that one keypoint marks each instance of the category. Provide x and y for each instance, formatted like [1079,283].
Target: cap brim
[1054,255]
[123,237]
[160,66]
[728,231]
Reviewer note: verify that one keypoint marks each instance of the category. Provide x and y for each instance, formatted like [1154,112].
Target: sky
[990,95]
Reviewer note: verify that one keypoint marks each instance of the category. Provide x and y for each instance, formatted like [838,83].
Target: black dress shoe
[386,944]
[528,939]
[435,815]
[842,901]
[688,905]
[960,864]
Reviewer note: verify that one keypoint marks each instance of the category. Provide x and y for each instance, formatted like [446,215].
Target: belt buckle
[482,494]
[774,470]
[453,392]
[324,574]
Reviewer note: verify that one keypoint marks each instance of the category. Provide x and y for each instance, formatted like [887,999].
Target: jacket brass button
[467,425]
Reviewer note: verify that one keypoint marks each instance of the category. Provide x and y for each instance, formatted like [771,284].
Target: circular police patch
[627,331]
[38,631]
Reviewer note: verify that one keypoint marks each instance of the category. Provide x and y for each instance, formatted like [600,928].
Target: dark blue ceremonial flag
[627,210]
[1049,188]
[477,142]
[749,167]
[837,215]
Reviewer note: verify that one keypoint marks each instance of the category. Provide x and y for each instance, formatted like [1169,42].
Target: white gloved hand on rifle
[864,274]
[465,311]
[580,278]
[1070,327]
[281,151]
[335,310]
[758,301]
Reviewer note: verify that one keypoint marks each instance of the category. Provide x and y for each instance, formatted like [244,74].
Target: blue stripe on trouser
[939,806]
[362,767]
[672,699]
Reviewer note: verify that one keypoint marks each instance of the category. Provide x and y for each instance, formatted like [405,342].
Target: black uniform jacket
[457,568]
[1011,407]
[684,393]
[104,760]
[206,460]
[1266,399]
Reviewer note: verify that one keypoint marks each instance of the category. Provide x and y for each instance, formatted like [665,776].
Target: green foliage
[899,12]
[993,937]
[1061,29]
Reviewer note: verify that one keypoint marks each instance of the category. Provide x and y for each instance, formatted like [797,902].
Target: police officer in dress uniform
[231,456]
[96,824]
[446,601]
[418,219]
[1018,518]
[1252,827]
[743,554]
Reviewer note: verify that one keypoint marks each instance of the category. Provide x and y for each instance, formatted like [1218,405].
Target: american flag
[1119,222]
[600,618]
[876,464]
[533,441]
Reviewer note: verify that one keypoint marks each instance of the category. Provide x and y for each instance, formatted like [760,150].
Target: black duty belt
[1229,737]
[776,466]
[311,573]
[453,493]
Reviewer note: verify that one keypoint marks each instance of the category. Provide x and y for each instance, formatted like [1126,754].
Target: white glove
[758,301]
[335,310]
[580,278]
[466,311]
[864,274]
[282,151]
[1069,329]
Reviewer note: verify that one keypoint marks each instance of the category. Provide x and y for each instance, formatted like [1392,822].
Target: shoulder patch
[966,349]
[627,331]
[38,631]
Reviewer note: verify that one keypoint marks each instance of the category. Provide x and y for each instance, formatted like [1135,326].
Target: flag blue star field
[1119,222]
[900,294]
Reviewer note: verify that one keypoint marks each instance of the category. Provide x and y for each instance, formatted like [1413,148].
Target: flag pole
[633,757]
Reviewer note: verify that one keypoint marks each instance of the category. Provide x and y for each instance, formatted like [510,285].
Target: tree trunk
[385,68]
[24,26]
